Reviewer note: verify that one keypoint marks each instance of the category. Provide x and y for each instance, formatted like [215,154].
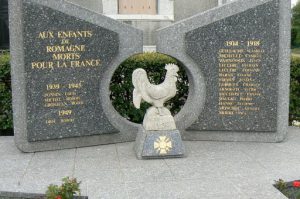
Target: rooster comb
[172,67]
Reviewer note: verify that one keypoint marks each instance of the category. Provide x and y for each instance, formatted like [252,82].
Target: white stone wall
[110,7]
[94,5]
[221,2]
[187,8]
[168,10]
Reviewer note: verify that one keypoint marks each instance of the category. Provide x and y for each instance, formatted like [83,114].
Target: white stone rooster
[156,95]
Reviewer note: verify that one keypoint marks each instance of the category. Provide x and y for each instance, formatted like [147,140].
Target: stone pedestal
[158,144]
[158,120]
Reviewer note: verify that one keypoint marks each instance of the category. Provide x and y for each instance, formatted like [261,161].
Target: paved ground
[211,170]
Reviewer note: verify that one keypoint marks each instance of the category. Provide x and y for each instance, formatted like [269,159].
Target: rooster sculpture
[157,117]
[158,136]
[156,95]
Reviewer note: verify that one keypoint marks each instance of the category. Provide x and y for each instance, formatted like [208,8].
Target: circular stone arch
[121,85]
[186,117]
[197,93]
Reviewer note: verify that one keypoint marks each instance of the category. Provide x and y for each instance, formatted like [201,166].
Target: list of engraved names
[239,63]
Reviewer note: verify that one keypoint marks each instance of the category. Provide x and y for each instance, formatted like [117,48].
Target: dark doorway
[4,35]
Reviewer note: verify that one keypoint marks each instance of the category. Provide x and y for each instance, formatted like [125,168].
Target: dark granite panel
[238,56]
[163,144]
[158,144]
[65,58]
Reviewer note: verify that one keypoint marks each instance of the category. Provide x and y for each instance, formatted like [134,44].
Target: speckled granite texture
[158,144]
[199,43]
[63,57]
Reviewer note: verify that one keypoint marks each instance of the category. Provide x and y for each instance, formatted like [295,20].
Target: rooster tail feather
[137,98]
[138,76]
[140,82]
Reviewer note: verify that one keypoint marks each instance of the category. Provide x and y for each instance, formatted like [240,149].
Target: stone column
[94,5]
[187,8]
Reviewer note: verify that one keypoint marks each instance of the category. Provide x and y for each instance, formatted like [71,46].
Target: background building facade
[147,15]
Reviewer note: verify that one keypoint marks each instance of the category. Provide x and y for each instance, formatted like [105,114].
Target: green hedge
[5,93]
[154,63]
[295,89]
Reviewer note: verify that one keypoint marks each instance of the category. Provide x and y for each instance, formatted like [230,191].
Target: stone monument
[158,137]
[63,57]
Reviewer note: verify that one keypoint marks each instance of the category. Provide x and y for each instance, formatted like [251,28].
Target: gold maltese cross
[163,145]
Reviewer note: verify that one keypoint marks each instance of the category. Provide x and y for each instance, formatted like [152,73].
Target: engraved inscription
[66,54]
[64,61]
[238,57]
[239,64]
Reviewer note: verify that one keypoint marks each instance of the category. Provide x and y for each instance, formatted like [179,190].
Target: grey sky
[294,2]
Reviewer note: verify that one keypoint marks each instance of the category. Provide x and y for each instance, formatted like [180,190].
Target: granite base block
[159,144]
